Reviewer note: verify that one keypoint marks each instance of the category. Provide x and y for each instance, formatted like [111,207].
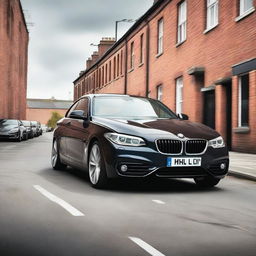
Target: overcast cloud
[61,36]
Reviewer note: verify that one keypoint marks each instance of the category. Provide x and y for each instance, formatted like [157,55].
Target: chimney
[95,57]
[105,44]
[88,63]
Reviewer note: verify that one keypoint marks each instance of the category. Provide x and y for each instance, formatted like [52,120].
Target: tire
[206,182]
[19,139]
[55,157]
[96,167]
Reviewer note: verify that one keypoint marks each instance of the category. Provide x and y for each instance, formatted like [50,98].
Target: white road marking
[158,201]
[59,201]
[147,247]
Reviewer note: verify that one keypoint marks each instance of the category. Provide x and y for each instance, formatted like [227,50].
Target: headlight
[124,140]
[14,130]
[217,143]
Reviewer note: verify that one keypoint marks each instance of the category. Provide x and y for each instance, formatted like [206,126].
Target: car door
[77,134]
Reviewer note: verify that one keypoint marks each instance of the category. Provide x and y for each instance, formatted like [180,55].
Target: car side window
[83,105]
[71,109]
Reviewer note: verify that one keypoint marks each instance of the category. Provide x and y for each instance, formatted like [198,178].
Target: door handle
[68,123]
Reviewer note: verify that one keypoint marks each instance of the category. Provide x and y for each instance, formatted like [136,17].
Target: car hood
[159,128]
[6,128]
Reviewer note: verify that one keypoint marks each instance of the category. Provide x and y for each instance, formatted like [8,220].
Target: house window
[182,22]
[121,63]
[118,64]
[141,48]
[160,36]
[179,95]
[212,14]
[243,101]
[106,74]
[102,81]
[160,92]
[114,67]
[245,6]
[110,70]
[132,56]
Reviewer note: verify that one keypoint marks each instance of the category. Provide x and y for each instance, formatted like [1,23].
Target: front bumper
[9,135]
[145,161]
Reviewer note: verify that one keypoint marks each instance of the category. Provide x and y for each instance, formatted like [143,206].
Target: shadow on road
[78,182]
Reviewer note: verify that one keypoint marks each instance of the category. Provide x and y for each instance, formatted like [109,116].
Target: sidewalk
[242,165]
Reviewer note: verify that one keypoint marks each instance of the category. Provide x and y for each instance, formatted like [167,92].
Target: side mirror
[183,116]
[78,114]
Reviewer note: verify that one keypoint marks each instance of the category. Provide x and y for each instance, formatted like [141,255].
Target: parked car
[35,128]
[40,130]
[12,129]
[28,126]
[112,136]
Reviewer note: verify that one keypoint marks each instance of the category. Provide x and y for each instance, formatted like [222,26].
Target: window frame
[159,90]
[240,107]
[179,88]
[209,5]
[132,56]
[182,25]
[142,48]
[160,36]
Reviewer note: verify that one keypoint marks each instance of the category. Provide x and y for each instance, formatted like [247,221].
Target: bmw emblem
[180,135]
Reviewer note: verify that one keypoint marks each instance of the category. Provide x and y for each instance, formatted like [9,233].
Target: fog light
[124,168]
[222,166]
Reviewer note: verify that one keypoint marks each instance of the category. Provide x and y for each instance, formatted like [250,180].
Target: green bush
[54,119]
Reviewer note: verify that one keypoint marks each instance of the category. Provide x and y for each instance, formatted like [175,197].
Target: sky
[61,32]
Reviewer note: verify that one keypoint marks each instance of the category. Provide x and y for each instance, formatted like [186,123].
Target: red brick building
[197,56]
[13,60]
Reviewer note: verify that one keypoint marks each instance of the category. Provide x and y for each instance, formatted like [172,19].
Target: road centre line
[73,211]
[145,246]
[158,201]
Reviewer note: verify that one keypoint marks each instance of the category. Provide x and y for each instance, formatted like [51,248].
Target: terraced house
[197,56]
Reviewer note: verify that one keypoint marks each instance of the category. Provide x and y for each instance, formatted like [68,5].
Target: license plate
[183,161]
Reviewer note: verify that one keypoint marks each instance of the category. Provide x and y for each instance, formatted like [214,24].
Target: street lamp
[123,20]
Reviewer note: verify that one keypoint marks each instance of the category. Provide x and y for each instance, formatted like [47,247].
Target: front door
[209,108]
[77,135]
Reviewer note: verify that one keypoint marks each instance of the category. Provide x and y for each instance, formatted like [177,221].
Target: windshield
[131,108]
[26,123]
[5,122]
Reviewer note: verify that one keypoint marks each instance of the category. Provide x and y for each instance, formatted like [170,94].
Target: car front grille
[167,146]
[195,146]
[191,146]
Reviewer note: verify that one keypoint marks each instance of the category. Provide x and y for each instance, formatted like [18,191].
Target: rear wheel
[207,182]
[97,172]
[55,158]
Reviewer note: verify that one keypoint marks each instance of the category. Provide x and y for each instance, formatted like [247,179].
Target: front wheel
[55,157]
[97,172]
[207,182]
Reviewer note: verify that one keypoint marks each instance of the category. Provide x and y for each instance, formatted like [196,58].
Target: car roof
[110,94]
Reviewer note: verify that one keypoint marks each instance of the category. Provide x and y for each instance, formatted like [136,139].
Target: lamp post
[123,20]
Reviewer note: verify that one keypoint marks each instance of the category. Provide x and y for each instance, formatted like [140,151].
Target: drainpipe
[147,58]
[125,67]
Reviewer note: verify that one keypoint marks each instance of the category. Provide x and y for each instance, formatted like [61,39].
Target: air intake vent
[167,146]
[195,146]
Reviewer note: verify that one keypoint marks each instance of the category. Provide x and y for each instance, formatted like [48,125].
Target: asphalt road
[46,212]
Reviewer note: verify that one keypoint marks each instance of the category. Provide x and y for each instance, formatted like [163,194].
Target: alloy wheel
[94,164]
[54,153]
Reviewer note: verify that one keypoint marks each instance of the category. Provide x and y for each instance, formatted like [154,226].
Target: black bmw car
[112,136]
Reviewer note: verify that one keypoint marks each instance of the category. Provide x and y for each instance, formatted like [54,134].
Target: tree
[54,119]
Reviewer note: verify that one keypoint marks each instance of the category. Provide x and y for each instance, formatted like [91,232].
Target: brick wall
[216,50]
[42,115]
[13,64]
